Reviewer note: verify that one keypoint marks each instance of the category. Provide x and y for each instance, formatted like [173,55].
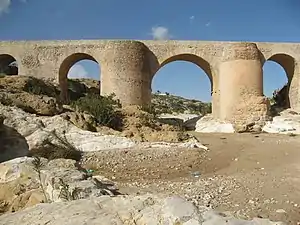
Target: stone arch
[192,58]
[197,60]
[8,65]
[64,69]
[287,62]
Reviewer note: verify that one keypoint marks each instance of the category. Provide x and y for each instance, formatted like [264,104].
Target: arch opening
[8,65]
[278,71]
[79,74]
[183,84]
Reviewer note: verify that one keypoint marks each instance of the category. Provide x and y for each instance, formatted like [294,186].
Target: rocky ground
[54,158]
[246,174]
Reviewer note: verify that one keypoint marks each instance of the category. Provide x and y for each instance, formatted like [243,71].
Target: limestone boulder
[121,210]
[27,181]
[55,137]
[208,124]
[288,121]
[38,130]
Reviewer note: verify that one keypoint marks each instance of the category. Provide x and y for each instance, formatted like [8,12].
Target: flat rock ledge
[124,210]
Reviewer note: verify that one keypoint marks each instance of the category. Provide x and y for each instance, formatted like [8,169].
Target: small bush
[105,109]
[38,165]
[50,151]
[151,109]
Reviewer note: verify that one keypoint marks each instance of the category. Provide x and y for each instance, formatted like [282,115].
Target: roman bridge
[128,67]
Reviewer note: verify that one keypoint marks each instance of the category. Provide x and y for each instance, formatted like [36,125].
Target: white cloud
[160,33]
[208,24]
[4,6]
[192,18]
[78,71]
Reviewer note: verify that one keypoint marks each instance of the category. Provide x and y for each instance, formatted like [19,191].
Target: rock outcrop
[12,143]
[28,181]
[37,130]
[287,122]
[208,124]
[30,94]
[139,210]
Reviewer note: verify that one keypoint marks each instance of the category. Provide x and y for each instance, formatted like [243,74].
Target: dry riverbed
[247,175]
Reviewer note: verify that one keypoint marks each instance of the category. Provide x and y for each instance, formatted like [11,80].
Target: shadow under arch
[64,69]
[197,60]
[8,65]
[287,62]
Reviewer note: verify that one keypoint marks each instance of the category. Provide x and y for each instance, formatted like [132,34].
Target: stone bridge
[128,67]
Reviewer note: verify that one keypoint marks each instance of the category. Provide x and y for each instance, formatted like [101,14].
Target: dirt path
[248,175]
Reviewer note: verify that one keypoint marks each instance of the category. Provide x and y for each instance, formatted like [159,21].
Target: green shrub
[150,109]
[105,109]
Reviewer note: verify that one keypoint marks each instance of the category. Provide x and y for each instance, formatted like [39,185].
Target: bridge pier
[241,85]
[294,87]
[128,75]
[215,96]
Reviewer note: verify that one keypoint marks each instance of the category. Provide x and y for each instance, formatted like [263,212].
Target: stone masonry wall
[241,84]
[127,67]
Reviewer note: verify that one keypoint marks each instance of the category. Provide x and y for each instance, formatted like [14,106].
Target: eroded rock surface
[288,121]
[31,94]
[25,182]
[37,130]
[208,124]
[139,210]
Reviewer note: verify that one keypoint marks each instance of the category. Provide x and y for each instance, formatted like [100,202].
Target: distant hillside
[175,104]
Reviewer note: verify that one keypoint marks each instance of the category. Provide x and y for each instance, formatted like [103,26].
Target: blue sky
[236,20]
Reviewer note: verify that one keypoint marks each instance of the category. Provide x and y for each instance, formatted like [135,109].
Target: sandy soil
[246,174]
